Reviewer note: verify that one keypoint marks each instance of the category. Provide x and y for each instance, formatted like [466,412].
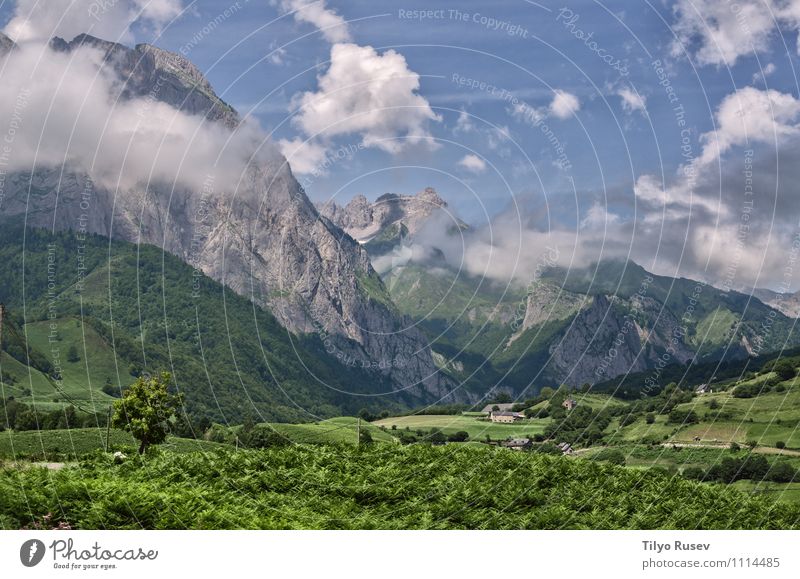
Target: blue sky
[607,145]
[566,113]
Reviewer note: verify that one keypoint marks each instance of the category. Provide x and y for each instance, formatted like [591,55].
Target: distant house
[569,403]
[506,417]
[504,407]
[704,389]
[565,448]
[517,443]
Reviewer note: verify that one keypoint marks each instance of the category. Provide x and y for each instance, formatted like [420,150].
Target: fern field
[379,487]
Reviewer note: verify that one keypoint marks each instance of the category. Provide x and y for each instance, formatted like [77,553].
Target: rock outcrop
[262,237]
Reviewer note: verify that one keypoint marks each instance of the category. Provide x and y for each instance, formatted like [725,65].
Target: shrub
[780,444]
[611,455]
[784,369]
[460,436]
[781,472]
[694,473]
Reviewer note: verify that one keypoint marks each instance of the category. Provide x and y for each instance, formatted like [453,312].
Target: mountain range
[576,326]
[260,237]
[353,305]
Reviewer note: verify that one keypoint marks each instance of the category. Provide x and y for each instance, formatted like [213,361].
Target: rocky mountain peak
[429,195]
[6,44]
[266,241]
[389,215]
[151,72]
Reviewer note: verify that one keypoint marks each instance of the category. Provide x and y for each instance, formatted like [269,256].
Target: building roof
[514,414]
[518,442]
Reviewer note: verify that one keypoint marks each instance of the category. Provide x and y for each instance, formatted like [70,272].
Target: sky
[661,131]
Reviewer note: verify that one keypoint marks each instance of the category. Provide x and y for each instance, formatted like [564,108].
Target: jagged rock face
[6,44]
[787,304]
[365,221]
[612,336]
[147,71]
[262,237]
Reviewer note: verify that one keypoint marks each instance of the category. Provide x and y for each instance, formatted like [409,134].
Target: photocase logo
[31,553]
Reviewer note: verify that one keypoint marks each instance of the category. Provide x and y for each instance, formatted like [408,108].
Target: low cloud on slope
[65,113]
[43,19]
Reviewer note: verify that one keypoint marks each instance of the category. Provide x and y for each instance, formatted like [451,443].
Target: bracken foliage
[380,486]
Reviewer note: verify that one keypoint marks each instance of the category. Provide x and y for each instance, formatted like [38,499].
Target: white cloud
[41,20]
[761,75]
[564,104]
[332,26]
[473,163]
[751,115]
[729,216]
[305,157]
[720,32]
[632,100]
[495,137]
[369,94]
[119,143]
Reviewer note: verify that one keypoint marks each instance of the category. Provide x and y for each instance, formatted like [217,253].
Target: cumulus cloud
[119,143]
[332,26]
[564,105]
[473,163]
[632,100]
[305,157]
[720,33]
[751,115]
[729,216]
[41,20]
[368,94]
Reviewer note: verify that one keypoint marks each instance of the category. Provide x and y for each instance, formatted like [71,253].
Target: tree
[780,444]
[146,410]
[72,354]
[784,369]
[649,418]
[781,472]
[460,436]
[436,436]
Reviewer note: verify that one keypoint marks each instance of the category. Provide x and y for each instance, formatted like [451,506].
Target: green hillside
[122,309]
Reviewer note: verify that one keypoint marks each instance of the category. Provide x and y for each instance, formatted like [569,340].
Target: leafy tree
[146,410]
[366,415]
[460,436]
[649,418]
[781,472]
[72,354]
[780,444]
[436,436]
[784,369]
[364,437]
[26,420]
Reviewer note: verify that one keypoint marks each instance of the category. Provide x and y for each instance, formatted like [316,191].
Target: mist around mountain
[152,155]
[555,324]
